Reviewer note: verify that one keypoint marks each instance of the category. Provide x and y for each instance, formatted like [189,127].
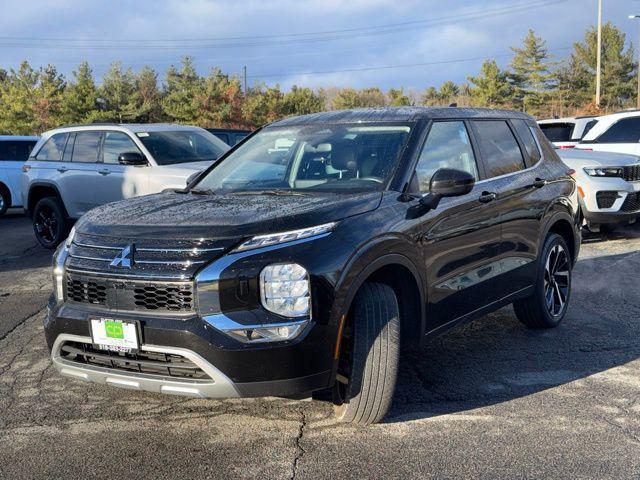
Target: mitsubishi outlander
[306,258]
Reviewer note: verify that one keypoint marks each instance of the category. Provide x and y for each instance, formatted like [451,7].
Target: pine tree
[147,97]
[577,77]
[302,101]
[448,92]
[529,75]
[397,97]
[16,101]
[80,99]
[48,99]
[491,88]
[180,102]
[430,97]
[118,94]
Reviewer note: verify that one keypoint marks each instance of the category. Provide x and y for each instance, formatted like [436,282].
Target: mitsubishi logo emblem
[125,258]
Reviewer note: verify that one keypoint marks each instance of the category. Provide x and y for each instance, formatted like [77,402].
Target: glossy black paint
[471,254]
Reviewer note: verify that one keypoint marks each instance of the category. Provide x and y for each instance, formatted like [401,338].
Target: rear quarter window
[16,150]
[557,132]
[526,136]
[53,148]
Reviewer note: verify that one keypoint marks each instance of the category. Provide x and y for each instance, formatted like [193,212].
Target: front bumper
[234,370]
[622,209]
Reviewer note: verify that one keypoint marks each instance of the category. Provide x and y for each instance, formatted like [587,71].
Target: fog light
[284,289]
[272,333]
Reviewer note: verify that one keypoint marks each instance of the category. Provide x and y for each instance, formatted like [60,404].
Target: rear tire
[371,349]
[5,200]
[50,222]
[547,307]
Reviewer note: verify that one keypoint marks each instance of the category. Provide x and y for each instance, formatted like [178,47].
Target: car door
[461,237]
[520,200]
[80,184]
[13,154]
[121,181]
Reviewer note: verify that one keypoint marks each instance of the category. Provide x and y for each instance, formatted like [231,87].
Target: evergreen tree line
[34,100]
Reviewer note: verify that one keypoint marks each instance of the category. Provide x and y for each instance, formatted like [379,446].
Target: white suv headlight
[603,172]
[285,290]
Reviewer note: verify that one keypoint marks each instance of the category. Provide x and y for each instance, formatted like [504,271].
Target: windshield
[344,158]
[185,146]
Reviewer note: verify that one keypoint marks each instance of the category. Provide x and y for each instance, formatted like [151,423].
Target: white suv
[74,169]
[618,132]
[567,132]
[608,184]
[14,151]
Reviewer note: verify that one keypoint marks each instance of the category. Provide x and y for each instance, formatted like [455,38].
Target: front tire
[5,201]
[370,354]
[49,222]
[547,307]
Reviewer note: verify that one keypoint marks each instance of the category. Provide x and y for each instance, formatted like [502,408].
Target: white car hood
[583,158]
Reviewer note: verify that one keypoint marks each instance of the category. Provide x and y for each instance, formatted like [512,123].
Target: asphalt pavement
[490,400]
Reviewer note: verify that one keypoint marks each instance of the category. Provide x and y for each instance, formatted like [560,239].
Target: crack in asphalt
[300,449]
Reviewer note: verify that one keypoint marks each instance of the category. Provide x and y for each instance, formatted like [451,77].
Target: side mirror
[448,182]
[445,182]
[132,158]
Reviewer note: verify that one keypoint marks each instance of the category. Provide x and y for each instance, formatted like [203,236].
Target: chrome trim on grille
[181,263]
[220,385]
[194,250]
[124,277]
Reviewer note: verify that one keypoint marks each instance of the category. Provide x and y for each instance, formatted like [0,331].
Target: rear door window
[500,150]
[53,148]
[86,147]
[16,150]
[530,144]
[557,132]
[626,130]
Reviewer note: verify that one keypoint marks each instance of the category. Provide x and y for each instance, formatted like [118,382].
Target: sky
[315,43]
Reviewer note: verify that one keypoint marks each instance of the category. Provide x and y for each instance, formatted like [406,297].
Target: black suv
[307,257]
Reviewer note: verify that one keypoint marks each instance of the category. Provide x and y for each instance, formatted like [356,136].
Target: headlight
[282,237]
[59,257]
[603,172]
[284,289]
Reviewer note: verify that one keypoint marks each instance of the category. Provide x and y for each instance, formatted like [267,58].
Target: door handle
[62,169]
[487,197]
[539,182]
[104,171]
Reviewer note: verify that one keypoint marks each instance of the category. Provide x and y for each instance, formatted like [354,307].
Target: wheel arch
[401,274]
[561,222]
[40,190]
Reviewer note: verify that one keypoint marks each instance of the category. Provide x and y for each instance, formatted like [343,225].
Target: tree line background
[35,100]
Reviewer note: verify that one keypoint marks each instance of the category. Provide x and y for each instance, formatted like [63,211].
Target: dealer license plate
[114,335]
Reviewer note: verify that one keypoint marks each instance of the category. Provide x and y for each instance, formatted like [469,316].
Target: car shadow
[496,359]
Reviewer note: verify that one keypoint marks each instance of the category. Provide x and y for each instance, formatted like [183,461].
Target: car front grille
[606,199]
[152,363]
[130,295]
[631,203]
[126,257]
[631,173]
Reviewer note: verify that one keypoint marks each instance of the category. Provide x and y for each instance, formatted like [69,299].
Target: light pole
[599,54]
[636,17]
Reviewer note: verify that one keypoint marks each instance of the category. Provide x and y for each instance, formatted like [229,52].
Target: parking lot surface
[490,400]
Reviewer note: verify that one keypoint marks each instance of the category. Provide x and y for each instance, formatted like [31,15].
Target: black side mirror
[132,158]
[445,182]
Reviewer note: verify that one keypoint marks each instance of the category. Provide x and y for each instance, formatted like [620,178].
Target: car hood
[588,158]
[185,215]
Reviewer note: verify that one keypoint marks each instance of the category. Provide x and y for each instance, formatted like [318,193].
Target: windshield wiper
[274,192]
[202,191]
